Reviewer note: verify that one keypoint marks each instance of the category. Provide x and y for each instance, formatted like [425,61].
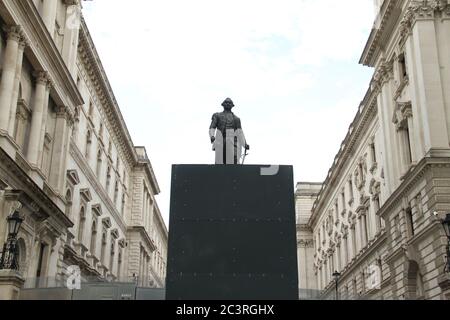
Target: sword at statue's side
[245,155]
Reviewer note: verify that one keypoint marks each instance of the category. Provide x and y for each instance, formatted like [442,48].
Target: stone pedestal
[232,234]
[444,283]
[10,284]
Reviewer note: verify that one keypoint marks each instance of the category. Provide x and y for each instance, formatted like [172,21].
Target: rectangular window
[403,71]
[91,110]
[336,210]
[408,146]
[373,153]
[376,206]
[419,206]
[350,188]
[396,228]
[410,221]
[41,268]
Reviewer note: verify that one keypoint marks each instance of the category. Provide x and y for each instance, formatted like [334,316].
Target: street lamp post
[336,276]
[446,224]
[8,259]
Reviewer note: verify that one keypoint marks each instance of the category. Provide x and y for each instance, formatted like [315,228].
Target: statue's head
[228,104]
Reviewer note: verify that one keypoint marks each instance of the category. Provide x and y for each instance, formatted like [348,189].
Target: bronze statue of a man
[227,136]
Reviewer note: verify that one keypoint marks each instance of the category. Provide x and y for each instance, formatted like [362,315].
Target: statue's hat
[228,101]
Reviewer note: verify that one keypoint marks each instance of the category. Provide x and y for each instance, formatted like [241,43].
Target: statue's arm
[213,127]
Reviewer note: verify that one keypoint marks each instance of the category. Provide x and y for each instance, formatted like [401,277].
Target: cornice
[388,18]
[90,58]
[161,222]
[143,232]
[421,10]
[147,165]
[366,113]
[381,30]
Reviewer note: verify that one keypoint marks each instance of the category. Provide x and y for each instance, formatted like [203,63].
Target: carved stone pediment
[402,112]
[122,243]
[45,229]
[115,233]
[72,177]
[86,195]
[107,222]
[97,209]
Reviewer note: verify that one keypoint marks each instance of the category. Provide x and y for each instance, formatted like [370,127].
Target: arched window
[415,285]
[119,264]
[93,237]
[116,191]
[88,144]
[76,122]
[99,162]
[21,255]
[68,199]
[91,109]
[108,178]
[102,253]
[81,225]
[410,222]
[19,120]
[122,209]
[111,259]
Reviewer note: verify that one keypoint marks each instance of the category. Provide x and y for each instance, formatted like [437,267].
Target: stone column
[386,109]
[427,82]
[8,75]
[364,229]
[34,144]
[60,149]
[339,266]
[346,256]
[359,232]
[49,15]
[44,125]
[354,247]
[10,284]
[71,33]
[15,93]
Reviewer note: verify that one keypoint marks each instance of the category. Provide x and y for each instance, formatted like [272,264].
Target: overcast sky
[290,66]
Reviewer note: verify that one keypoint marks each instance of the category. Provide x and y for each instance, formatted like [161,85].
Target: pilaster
[8,74]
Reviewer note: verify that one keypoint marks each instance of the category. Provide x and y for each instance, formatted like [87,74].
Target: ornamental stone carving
[402,112]
[383,74]
[421,9]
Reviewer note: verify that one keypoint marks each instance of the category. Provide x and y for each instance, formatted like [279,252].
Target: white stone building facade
[87,194]
[374,219]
